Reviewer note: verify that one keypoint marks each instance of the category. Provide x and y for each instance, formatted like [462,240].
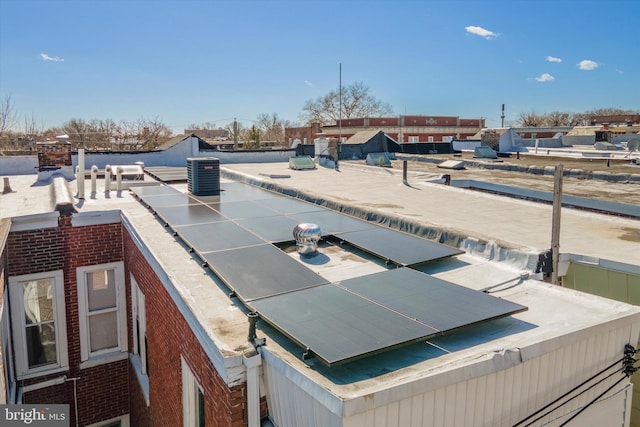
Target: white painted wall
[174,156]
[18,165]
[497,390]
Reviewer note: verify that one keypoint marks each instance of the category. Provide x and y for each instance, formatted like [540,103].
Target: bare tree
[253,138]
[152,133]
[356,102]
[32,128]
[8,115]
[531,119]
[272,127]
[557,118]
[237,131]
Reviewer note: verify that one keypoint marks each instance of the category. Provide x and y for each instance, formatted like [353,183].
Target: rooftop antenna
[502,116]
[340,109]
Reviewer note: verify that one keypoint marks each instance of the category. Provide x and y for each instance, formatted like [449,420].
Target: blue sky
[195,61]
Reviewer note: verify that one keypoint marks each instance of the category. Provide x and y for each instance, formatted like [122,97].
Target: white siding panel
[497,398]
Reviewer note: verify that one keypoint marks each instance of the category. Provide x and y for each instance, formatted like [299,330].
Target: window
[101,308]
[414,139]
[39,323]
[7,394]
[139,358]
[139,322]
[192,399]
[429,139]
[121,421]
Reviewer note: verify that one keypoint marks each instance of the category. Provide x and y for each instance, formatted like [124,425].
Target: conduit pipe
[107,180]
[80,174]
[94,179]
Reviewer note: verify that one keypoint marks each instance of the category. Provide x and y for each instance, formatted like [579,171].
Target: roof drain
[307,237]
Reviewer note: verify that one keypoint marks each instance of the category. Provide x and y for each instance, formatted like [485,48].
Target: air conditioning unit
[203,176]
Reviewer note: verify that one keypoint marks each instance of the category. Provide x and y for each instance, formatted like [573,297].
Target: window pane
[38,301]
[103,331]
[101,289]
[200,408]
[41,344]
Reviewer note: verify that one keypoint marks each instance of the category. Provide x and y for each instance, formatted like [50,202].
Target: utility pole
[235,134]
[555,223]
[502,116]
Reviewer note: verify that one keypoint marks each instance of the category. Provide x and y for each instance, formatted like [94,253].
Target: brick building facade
[412,129]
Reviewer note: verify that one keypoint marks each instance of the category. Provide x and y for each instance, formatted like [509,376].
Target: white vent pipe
[107,180]
[80,175]
[94,179]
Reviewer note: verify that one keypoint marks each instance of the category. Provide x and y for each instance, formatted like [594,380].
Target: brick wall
[54,154]
[169,337]
[102,391]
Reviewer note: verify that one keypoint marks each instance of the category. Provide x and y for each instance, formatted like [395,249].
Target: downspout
[252,361]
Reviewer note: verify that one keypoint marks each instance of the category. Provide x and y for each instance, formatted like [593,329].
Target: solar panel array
[336,322]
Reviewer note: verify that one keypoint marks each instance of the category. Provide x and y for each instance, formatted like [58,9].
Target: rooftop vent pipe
[307,237]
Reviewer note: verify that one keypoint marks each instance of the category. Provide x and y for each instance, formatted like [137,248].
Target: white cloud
[479,31]
[619,71]
[546,77]
[553,59]
[46,57]
[587,65]
[308,83]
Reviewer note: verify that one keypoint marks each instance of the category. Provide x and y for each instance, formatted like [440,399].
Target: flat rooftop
[554,314]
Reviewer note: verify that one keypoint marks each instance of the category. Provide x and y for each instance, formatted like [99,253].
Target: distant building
[412,129]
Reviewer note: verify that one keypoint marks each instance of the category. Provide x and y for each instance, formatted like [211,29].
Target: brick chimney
[54,158]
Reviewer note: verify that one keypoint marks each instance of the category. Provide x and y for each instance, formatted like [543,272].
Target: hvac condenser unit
[203,176]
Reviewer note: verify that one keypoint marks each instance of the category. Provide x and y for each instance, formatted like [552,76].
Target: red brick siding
[471,122]
[383,121]
[35,251]
[102,391]
[169,337]
[54,154]
[350,122]
[430,121]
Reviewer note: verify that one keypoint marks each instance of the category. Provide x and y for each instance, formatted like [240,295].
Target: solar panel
[245,209]
[154,190]
[260,271]
[287,205]
[336,325]
[188,214]
[271,228]
[332,222]
[403,249]
[216,236]
[370,314]
[169,200]
[432,301]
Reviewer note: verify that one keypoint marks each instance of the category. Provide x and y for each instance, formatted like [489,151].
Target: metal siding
[496,399]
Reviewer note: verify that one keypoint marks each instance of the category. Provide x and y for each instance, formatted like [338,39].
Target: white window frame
[139,356]
[190,395]
[124,421]
[8,394]
[16,298]
[414,139]
[430,139]
[107,355]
